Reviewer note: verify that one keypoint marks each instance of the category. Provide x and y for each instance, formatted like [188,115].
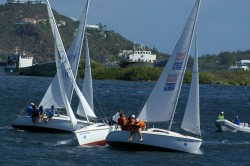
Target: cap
[32,104]
[222,112]
[133,116]
[236,116]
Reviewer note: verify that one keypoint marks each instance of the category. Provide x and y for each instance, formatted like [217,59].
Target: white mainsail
[87,88]
[88,111]
[161,104]
[52,95]
[62,89]
[191,119]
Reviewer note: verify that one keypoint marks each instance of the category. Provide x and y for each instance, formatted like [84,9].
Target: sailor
[51,113]
[41,113]
[122,121]
[237,120]
[129,123]
[221,116]
[137,126]
[140,126]
[35,114]
[29,109]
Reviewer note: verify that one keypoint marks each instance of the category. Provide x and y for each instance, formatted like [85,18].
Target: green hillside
[36,39]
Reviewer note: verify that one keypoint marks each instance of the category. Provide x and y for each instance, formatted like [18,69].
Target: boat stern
[94,134]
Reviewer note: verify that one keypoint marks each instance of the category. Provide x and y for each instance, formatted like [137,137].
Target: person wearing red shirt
[122,121]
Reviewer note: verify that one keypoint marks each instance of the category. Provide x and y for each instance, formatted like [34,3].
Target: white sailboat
[53,95]
[162,102]
[94,133]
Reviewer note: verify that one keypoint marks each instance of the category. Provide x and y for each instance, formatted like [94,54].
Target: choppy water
[27,148]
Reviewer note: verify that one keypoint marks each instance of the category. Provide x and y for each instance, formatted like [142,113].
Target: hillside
[36,38]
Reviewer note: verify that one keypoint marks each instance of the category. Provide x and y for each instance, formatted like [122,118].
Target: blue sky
[223,25]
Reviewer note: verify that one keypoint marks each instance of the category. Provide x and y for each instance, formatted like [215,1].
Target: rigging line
[95,108]
[101,107]
[142,103]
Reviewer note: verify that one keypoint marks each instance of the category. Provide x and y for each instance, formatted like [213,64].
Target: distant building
[140,56]
[240,65]
[61,23]
[137,57]
[92,27]
[42,20]
[27,21]
[25,1]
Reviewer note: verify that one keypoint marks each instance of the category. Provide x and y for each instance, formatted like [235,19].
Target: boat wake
[6,128]
[226,142]
[199,152]
[67,142]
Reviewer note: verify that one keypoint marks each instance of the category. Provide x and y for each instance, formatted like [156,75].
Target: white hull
[94,134]
[58,124]
[155,139]
[225,125]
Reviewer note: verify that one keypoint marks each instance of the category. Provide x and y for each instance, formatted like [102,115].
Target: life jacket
[140,124]
[221,117]
[121,121]
[130,124]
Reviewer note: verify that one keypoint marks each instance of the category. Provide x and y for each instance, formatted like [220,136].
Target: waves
[226,142]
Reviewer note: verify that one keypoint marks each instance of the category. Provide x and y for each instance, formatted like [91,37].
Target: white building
[92,26]
[139,56]
[25,1]
[240,65]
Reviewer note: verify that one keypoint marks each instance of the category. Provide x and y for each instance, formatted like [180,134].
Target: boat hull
[155,139]
[94,134]
[227,126]
[58,124]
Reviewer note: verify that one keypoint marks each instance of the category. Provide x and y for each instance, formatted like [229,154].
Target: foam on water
[67,142]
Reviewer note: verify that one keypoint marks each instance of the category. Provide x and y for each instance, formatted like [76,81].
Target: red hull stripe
[100,143]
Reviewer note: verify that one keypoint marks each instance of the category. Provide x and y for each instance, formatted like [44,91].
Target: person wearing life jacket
[35,114]
[29,109]
[130,123]
[42,112]
[221,116]
[237,120]
[122,121]
[138,126]
[51,113]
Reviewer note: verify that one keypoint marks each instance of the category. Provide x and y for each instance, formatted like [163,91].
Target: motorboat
[226,125]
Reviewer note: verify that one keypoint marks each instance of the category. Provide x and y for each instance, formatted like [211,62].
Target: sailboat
[94,133]
[59,123]
[162,102]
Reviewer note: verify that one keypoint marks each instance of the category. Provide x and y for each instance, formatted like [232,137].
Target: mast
[190,25]
[52,95]
[88,111]
[62,89]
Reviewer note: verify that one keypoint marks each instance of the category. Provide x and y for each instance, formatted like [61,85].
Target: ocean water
[27,148]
